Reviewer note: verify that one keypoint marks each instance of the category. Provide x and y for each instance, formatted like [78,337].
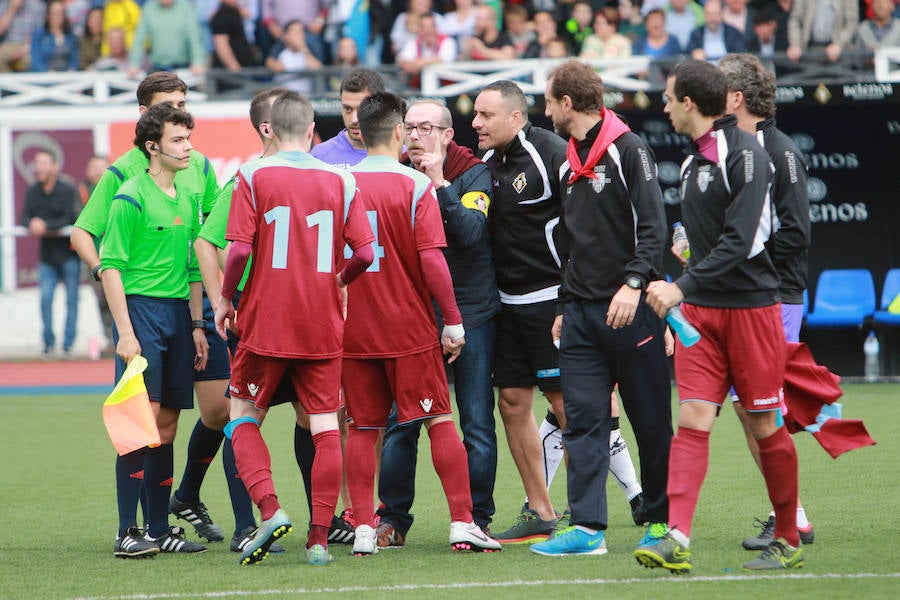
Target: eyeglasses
[422,128]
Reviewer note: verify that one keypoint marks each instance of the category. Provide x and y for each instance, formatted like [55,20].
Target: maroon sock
[318,534]
[361,473]
[326,479]
[688,461]
[251,456]
[452,465]
[778,457]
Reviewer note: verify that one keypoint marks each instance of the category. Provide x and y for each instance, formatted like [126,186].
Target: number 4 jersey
[297,213]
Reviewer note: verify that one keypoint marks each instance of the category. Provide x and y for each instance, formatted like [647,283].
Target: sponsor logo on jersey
[600,181]
[519,183]
[766,401]
[252,388]
[703,178]
[748,165]
[426,404]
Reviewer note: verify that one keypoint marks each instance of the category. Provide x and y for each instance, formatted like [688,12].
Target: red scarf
[610,130]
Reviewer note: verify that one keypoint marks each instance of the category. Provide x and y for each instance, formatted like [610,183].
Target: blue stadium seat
[844,298]
[890,291]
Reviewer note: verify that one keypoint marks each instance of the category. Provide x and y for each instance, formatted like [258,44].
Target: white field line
[666,580]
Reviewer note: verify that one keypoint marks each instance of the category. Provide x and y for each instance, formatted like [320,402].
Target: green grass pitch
[58,523]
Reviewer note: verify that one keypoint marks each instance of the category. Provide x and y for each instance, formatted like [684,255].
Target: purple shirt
[338,152]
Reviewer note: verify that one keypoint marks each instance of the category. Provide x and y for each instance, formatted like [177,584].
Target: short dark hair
[66,27]
[746,74]
[150,126]
[261,107]
[361,79]
[704,84]
[378,115]
[580,82]
[511,93]
[159,82]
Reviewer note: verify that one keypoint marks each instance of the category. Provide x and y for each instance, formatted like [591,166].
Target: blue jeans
[475,402]
[48,276]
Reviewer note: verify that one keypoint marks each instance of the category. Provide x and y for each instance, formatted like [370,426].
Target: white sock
[551,440]
[587,530]
[680,537]
[621,467]
[802,521]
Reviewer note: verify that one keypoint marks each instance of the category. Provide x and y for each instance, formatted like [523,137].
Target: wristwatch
[198,324]
[634,282]
[95,272]
[444,185]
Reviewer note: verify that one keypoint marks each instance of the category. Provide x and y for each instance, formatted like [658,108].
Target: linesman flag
[127,414]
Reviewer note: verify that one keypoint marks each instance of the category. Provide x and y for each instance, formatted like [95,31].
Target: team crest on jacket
[704,177]
[600,181]
[519,182]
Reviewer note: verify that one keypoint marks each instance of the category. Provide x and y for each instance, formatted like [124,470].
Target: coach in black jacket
[613,215]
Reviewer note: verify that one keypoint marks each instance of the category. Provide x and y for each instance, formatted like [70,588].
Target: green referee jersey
[198,181]
[213,230]
[149,239]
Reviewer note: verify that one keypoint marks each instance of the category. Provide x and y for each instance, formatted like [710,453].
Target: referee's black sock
[305,453]
[551,418]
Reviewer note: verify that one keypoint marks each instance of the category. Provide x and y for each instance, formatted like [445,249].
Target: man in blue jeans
[463,186]
[51,204]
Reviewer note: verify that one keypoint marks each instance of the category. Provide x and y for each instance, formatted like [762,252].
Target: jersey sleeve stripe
[130,200]
[205,166]
[116,172]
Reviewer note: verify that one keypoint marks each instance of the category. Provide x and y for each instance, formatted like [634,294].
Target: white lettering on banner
[836,160]
[868,91]
[790,93]
[843,213]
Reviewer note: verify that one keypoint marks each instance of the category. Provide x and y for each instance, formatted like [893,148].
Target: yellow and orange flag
[127,414]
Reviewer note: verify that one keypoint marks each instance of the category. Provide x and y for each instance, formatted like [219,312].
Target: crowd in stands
[287,36]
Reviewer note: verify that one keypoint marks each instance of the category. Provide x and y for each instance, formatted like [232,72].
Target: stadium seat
[890,291]
[844,298]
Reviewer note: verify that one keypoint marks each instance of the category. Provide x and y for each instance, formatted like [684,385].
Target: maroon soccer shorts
[744,347]
[317,381]
[417,382]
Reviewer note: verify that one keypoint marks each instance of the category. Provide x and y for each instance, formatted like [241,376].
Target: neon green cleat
[659,548]
[779,555]
[318,555]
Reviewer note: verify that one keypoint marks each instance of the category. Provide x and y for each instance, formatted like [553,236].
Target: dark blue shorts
[285,391]
[163,329]
[524,355]
[217,365]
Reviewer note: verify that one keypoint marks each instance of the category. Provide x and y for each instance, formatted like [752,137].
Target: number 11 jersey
[297,213]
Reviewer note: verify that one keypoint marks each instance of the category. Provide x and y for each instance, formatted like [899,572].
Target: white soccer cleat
[365,542]
[470,537]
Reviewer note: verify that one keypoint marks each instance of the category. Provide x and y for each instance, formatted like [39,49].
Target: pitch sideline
[489,584]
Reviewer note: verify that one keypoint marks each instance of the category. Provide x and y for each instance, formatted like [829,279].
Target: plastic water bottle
[871,348]
[686,332]
[680,241]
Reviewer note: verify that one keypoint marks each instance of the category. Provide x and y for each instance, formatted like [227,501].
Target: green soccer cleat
[659,549]
[779,555]
[529,526]
[273,528]
[318,555]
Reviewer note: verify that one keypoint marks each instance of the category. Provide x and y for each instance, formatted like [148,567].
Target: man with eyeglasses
[463,185]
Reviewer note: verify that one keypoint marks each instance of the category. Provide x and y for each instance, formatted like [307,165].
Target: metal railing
[636,73]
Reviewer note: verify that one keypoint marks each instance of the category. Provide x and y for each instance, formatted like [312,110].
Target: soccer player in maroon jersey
[294,213]
[391,349]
